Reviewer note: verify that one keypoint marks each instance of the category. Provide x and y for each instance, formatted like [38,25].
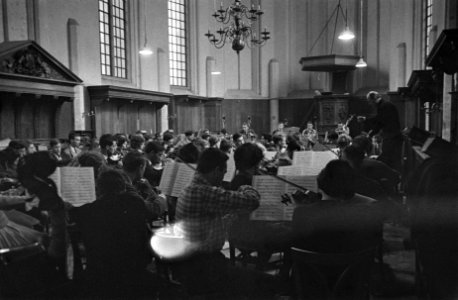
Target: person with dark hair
[167,142]
[134,165]
[73,148]
[376,169]
[55,148]
[115,237]
[225,146]
[237,139]
[200,211]
[154,152]
[293,144]
[92,159]
[263,237]
[342,221]
[108,149]
[19,147]
[369,187]
[188,153]
[8,163]
[30,147]
[33,172]
[137,143]
[122,143]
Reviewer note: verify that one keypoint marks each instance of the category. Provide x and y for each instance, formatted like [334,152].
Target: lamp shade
[145,51]
[346,34]
[361,63]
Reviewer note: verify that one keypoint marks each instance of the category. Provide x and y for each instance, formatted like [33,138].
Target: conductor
[386,123]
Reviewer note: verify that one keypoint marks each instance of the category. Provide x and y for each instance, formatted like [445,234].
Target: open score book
[76,185]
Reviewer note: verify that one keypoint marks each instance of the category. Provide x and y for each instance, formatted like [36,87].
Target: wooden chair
[332,276]
[20,270]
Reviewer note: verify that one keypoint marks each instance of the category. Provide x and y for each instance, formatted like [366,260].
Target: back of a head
[343,140]
[110,183]
[120,139]
[39,164]
[354,155]
[189,153]
[136,141]
[277,138]
[8,156]
[247,156]
[106,140]
[225,145]
[337,180]
[92,159]
[210,159]
[153,146]
[53,142]
[167,136]
[133,161]
[363,143]
[236,136]
[17,145]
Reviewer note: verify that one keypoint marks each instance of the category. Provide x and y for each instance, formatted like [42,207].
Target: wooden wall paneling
[7,128]
[24,116]
[212,115]
[44,121]
[127,117]
[106,118]
[148,117]
[189,116]
[298,111]
[237,112]
[64,119]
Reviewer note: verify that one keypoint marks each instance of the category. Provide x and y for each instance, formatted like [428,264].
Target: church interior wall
[390,27]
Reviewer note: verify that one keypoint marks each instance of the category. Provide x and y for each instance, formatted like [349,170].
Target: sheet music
[168,178]
[183,178]
[77,185]
[269,155]
[271,208]
[230,169]
[312,162]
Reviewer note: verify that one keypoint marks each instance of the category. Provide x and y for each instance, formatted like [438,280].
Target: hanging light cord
[336,10]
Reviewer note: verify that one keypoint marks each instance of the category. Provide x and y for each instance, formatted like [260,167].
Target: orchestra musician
[310,135]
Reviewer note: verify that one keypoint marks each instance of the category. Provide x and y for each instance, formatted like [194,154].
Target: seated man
[115,237]
[263,237]
[200,211]
[341,221]
[134,164]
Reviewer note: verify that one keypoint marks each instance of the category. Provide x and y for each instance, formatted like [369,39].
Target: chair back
[332,275]
[22,271]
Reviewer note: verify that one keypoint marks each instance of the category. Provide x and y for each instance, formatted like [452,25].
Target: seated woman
[33,172]
[115,237]
[264,237]
[341,221]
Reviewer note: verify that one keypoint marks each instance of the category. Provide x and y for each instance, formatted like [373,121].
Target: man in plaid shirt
[200,211]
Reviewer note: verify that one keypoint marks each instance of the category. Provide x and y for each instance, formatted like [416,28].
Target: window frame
[112,55]
[187,47]
[428,6]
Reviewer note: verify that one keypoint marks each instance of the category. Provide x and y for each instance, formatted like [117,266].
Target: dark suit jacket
[115,236]
[332,226]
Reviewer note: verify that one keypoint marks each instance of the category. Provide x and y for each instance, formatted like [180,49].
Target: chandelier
[239,21]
